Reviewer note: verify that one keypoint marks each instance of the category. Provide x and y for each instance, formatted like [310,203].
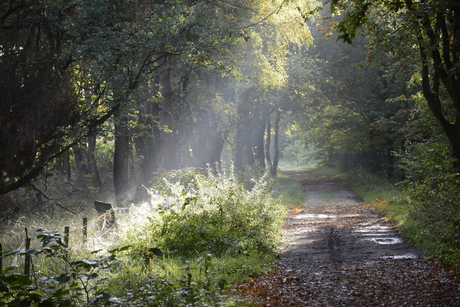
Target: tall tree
[428,29]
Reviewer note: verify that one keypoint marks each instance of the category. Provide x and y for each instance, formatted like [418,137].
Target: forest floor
[343,252]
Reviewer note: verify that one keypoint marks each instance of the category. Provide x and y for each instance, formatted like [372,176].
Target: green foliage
[90,59]
[216,214]
[80,282]
[297,151]
[184,177]
[203,281]
[231,233]
[401,27]
[433,197]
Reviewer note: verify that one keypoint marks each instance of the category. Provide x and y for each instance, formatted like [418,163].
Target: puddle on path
[386,240]
[401,257]
[324,216]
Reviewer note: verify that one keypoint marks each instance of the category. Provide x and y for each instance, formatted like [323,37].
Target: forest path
[342,252]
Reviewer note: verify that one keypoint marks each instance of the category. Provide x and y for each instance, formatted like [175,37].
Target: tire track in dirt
[342,252]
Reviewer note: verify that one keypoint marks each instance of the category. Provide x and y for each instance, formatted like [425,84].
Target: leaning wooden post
[27,257]
[106,216]
[85,229]
[1,257]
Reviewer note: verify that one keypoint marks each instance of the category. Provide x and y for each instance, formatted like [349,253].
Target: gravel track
[342,252]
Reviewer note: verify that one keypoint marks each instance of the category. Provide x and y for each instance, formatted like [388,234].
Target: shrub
[215,214]
[433,193]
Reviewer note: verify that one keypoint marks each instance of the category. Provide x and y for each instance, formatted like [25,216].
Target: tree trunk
[65,167]
[247,151]
[268,141]
[93,163]
[390,158]
[167,122]
[260,133]
[121,176]
[247,128]
[239,142]
[216,149]
[443,59]
[274,168]
[80,162]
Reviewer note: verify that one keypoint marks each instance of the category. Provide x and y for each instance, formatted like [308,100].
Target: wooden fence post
[85,229]
[1,257]
[66,241]
[27,257]
[66,236]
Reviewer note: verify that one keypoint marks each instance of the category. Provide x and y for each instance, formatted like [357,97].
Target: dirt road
[342,252]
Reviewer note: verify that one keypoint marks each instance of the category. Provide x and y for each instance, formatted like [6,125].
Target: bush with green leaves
[214,214]
[432,187]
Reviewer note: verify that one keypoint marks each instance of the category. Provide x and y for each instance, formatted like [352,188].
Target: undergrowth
[197,236]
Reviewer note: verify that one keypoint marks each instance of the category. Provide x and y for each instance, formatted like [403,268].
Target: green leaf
[33,251]
[17,280]
[86,263]
[120,249]
[10,268]
[101,281]
[222,283]
[60,293]
[35,296]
